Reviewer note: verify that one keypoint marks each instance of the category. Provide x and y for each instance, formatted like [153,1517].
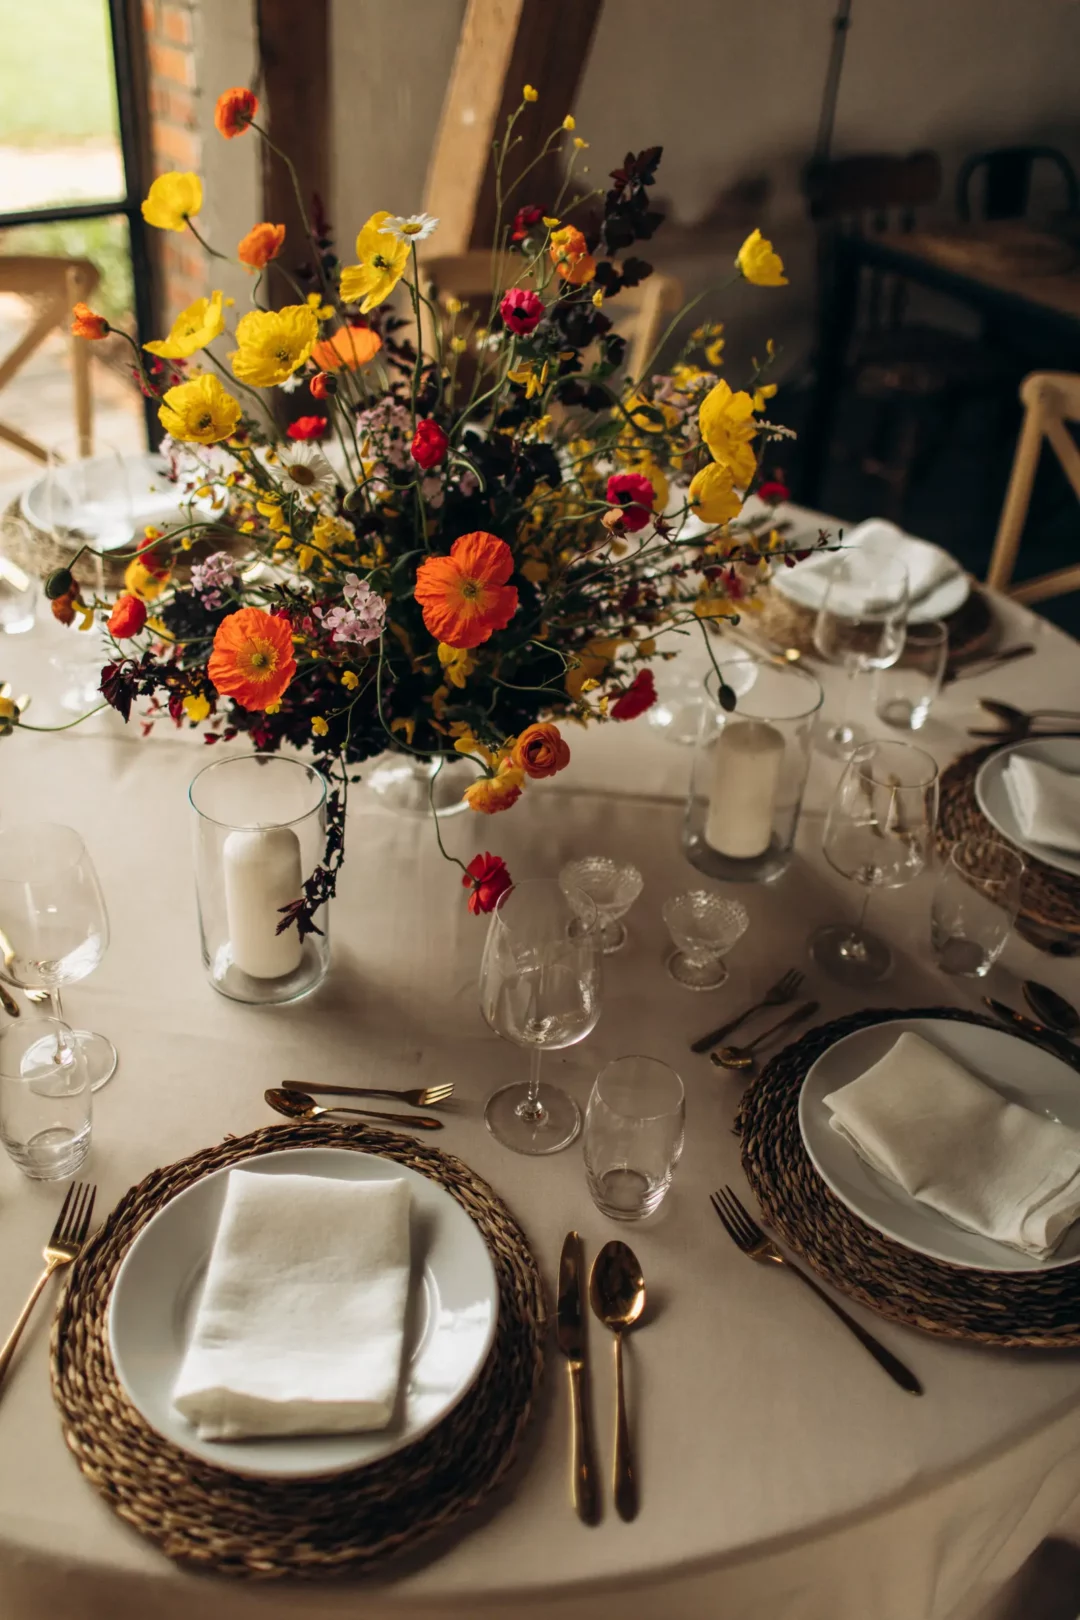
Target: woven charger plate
[972,628]
[39,552]
[1050,899]
[312,1528]
[1039,1310]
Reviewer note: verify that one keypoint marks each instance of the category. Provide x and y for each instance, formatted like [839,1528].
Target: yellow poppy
[712,494]
[192,330]
[172,200]
[273,343]
[199,411]
[759,263]
[727,426]
[383,257]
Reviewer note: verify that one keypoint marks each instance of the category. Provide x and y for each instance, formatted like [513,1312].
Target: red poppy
[639,696]
[521,309]
[234,111]
[429,444]
[774,492]
[635,495]
[487,878]
[127,617]
[307,427]
[525,220]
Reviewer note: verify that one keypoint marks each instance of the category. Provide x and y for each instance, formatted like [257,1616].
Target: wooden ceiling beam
[294,63]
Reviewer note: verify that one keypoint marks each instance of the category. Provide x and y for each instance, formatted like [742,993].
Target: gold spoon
[742,1057]
[298,1105]
[617,1296]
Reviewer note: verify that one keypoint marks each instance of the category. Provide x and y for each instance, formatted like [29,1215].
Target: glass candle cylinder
[260,832]
[749,772]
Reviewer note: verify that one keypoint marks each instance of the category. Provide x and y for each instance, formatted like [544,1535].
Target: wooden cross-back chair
[1006,174]
[637,313]
[1051,400]
[52,286]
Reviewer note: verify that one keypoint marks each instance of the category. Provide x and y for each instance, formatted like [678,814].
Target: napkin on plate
[1045,802]
[921,1119]
[927,565]
[302,1319]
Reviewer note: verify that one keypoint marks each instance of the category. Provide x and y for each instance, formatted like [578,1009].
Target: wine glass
[54,929]
[880,833]
[861,625]
[540,987]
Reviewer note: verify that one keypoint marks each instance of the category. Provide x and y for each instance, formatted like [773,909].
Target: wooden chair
[52,287]
[1051,399]
[909,371]
[637,312]
[1006,188]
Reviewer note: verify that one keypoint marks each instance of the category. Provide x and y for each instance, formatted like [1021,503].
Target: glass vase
[260,831]
[749,771]
[412,786]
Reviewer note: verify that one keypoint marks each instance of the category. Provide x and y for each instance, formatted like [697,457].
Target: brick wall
[175,142]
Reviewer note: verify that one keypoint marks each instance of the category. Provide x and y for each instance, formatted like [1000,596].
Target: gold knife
[570,1332]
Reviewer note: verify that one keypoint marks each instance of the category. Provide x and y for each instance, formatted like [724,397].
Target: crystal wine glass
[611,887]
[861,625]
[539,987]
[54,929]
[880,833]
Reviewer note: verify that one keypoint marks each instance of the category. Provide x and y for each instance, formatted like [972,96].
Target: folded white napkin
[302,1319]
[927,565]
[952,1142]
[1045,802]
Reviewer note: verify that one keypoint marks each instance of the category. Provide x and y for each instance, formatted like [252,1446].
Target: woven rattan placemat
[1019,1309]
[308,1529]
[972,628]
[1050,900]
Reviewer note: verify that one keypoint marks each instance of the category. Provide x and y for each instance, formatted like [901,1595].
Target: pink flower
[635,495]
[521,310]
[361,619]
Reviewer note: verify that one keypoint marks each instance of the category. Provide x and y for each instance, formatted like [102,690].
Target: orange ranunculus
[261,244]
[570,256]
[541,751]
[490,794]
[350,346]
[465,596]
[252,661]
[234,111]
[88,325]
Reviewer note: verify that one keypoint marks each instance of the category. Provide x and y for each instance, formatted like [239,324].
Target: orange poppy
[350,346]
[571,257]
[88,325]
[234,111]
[261,244]
[465,596]
[252,661]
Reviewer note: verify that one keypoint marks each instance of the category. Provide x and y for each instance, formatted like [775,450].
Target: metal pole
[132,117]
[841,24]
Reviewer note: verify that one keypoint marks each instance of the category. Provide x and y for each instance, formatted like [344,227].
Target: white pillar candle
[262,874]
[746,762]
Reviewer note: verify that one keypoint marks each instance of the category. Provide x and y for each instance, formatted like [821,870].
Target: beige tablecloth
[783,1477]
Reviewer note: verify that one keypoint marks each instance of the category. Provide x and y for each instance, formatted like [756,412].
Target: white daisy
[291,384]
[410,227]
[307,468]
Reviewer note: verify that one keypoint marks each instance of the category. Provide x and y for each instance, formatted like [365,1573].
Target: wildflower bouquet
[475,529]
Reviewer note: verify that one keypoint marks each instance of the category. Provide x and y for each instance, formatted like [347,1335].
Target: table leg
[838,310]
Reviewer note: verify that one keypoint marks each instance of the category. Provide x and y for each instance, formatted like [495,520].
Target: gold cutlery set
[296,1101]
[617,1297]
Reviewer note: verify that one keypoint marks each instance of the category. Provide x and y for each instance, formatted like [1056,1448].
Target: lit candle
[262,874]
[746,763]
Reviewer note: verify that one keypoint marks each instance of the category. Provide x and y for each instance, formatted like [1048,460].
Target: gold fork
[747,1235]
[425,1097]
[65,1241]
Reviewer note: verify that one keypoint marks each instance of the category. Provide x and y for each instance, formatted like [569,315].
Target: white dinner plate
[992,796]
[450,1324]
[154,499]
[944,600]
[1022,1072]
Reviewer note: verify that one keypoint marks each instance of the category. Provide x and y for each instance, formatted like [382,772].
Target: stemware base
[692,975]
[852,956]
[613,935]
[98,1053]
[508,1116]
[840,742]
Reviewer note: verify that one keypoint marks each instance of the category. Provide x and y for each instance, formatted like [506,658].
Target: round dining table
[782,1475]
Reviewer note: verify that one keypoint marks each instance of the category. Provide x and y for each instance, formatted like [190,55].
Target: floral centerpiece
[475,530]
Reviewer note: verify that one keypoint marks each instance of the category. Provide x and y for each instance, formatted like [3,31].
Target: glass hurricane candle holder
[704,927]
[260,832]
[749,771]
